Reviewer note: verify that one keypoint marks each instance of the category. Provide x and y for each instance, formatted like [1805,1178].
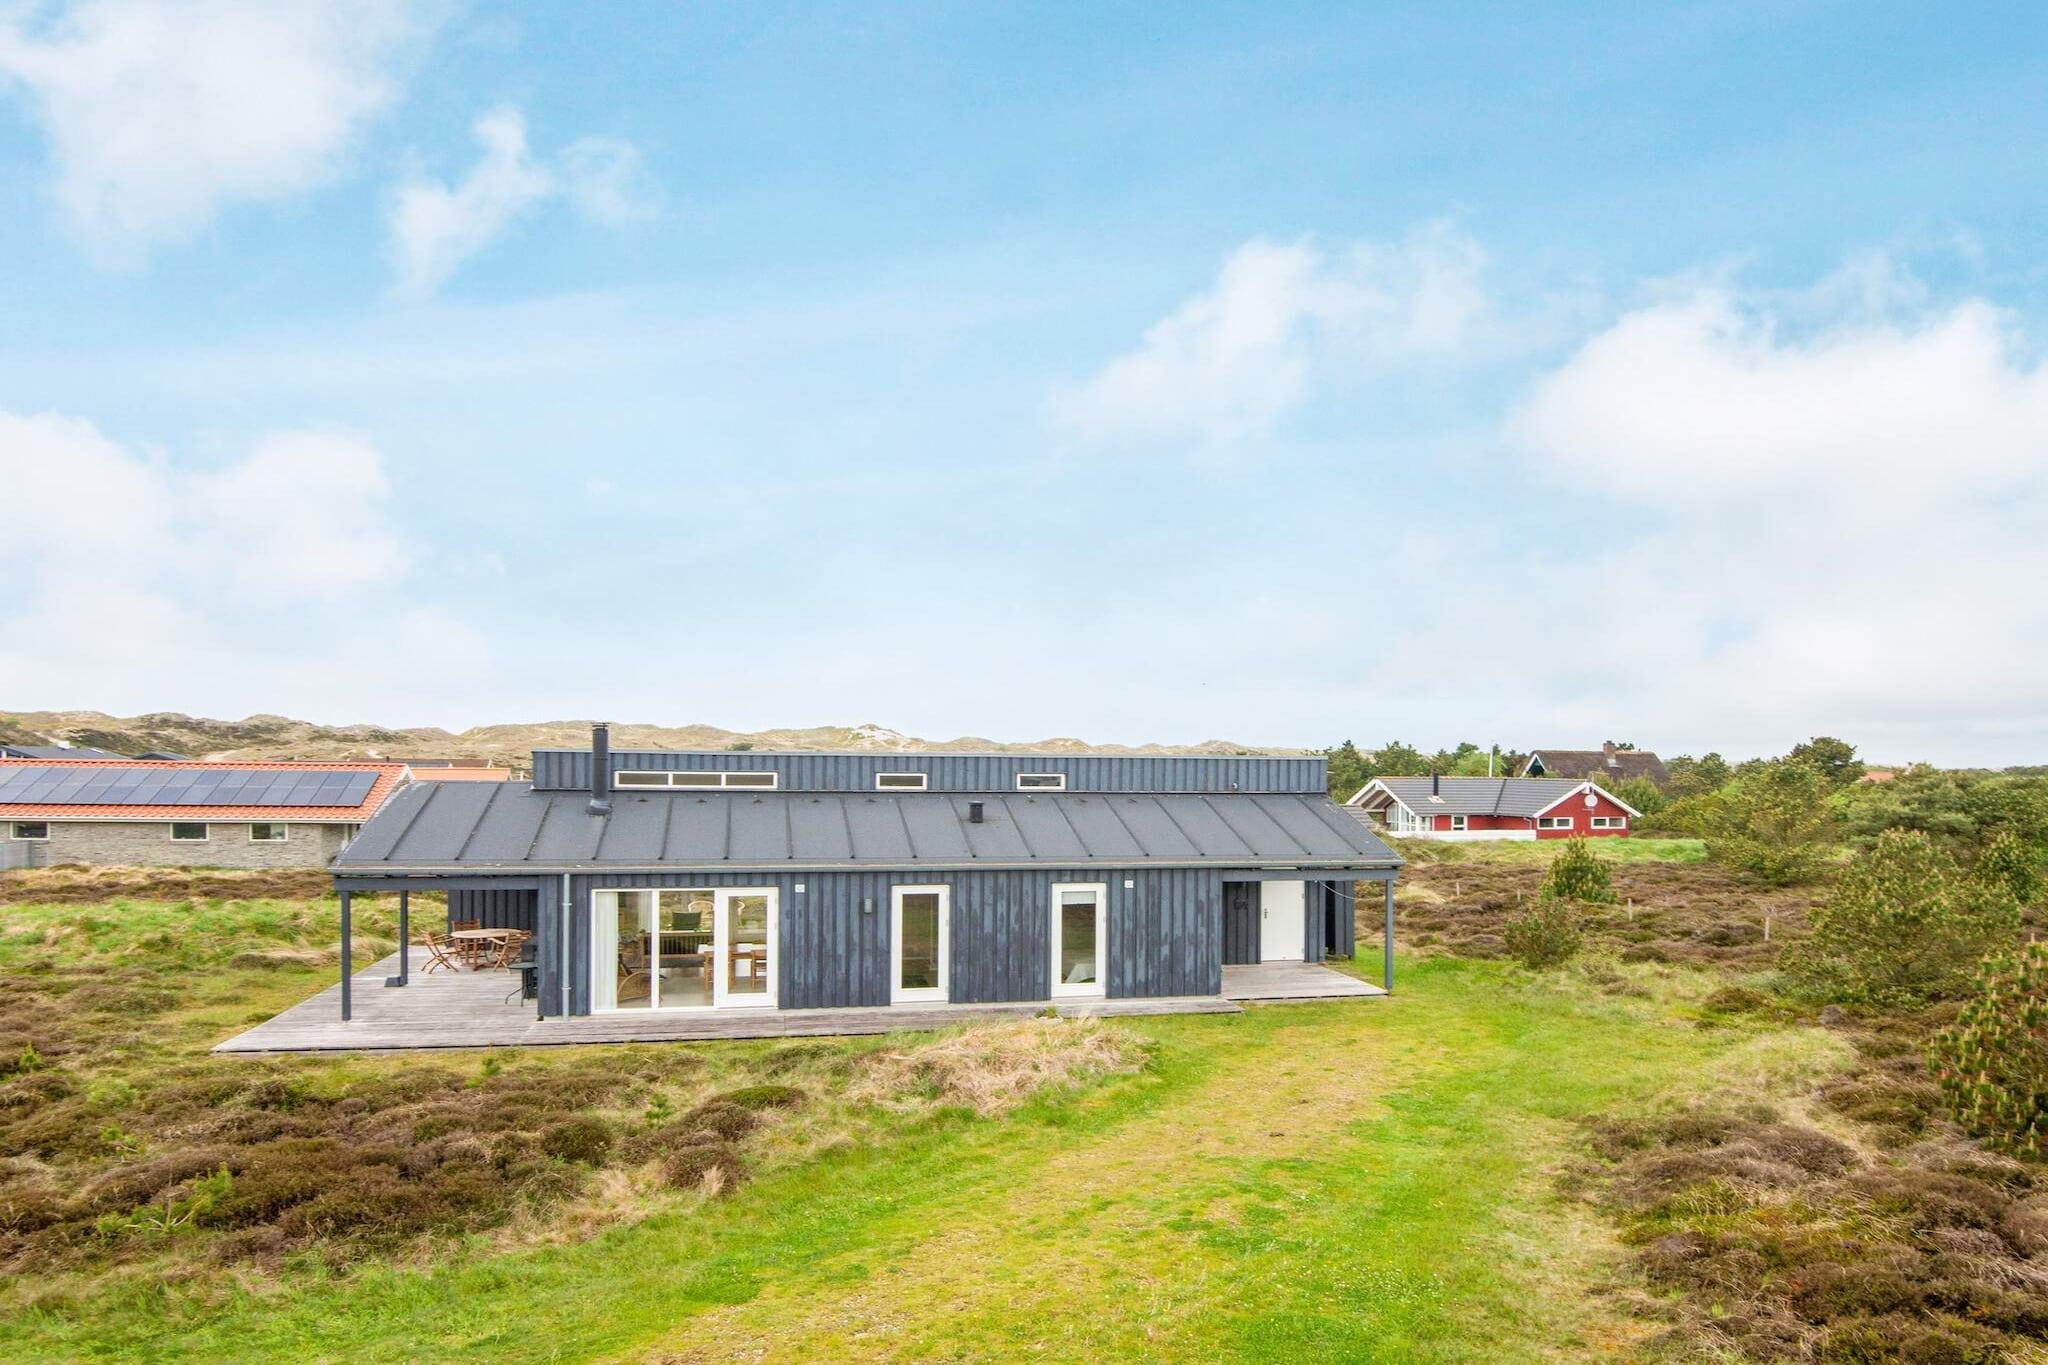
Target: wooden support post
[404,941]
[347,964]
[1387,961]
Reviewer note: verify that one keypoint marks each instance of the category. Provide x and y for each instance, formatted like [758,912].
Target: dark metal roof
[1480,795]
[435,827]
[55,751]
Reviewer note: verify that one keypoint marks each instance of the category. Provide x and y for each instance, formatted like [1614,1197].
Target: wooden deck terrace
[472,1009]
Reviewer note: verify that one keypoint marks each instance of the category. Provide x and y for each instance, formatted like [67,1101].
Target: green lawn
[1358,1180]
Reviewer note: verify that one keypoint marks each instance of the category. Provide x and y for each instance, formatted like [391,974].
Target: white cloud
[1838,530]
[1702,398]
[131,579]
[160,112]
[1233,359]
[435,227]
[334,542]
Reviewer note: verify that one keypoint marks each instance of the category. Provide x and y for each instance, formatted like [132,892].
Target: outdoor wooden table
[473,940]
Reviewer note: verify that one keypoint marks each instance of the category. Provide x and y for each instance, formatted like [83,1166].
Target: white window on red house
[1610,822]
[1457,822]
[1554,822]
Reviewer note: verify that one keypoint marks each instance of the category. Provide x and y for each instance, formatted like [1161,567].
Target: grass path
[1361,1180]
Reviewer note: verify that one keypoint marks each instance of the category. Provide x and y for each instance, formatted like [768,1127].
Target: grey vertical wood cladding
[1163,934]
[1166,933]
[495,908]
[1240,923]
[569,770]
[1314,926]
[1341,916]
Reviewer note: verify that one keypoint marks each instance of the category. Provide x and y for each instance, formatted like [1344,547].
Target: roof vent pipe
[600,769]
[1436,784]
[974,812]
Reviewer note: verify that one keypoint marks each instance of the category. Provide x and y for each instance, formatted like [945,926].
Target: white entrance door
[743,949]
[1283,921]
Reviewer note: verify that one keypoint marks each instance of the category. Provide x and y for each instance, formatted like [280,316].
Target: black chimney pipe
[600,769]
[1436,784]
[974,809]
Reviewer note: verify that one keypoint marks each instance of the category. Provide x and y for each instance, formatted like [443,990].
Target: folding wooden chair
[508,948]
[438,954]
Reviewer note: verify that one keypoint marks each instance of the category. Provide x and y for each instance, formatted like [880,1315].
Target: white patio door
[1078,912]
[743,947]
[920,941]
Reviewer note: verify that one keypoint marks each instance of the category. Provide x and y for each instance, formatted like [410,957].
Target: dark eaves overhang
[867,865]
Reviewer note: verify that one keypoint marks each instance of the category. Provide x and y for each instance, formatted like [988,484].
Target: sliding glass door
[682,948]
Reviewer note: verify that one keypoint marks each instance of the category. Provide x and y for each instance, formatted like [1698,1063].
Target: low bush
[709,1163]
[583,1139]
[1575,874]
[1544,935]
[1904,927]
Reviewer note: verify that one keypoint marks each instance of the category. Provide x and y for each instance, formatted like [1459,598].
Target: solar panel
[107,784]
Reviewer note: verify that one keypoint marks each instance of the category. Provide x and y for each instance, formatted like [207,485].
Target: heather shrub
[579,1139]
[1544,935]
[1992,1063]
[1575,874]
[1904,927]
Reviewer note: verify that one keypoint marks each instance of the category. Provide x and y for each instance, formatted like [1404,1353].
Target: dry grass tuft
[994,1068]
[76,884]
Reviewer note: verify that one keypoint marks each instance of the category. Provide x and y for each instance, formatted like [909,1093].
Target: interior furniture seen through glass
[747,940]
[664,948]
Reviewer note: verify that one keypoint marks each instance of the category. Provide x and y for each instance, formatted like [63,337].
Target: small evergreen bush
[1544,935]
[1905,927]
[1992,1063]
[1576,875]
[2009,863]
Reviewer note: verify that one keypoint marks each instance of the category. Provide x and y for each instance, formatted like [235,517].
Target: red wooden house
[1491,808]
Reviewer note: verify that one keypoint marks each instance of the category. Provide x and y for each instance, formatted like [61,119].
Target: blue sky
[1525,374]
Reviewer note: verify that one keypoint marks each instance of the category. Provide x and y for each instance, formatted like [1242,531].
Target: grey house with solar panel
[661,881]
[137,813]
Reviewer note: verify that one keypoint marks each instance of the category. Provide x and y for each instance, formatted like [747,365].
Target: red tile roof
[390,776]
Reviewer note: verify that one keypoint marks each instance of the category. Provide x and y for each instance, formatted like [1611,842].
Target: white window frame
[903,782]
[206,827]
[1041,782]
[1458,824]
[696,779]
[14,831]
[943,991]
[1099,985]
[1553,822]
[1610,822]
[284,834]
